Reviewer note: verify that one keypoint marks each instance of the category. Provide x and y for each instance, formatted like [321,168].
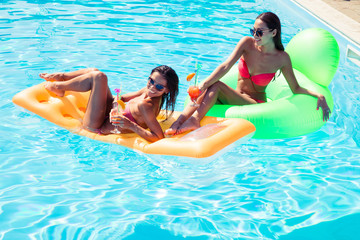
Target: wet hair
[172,84]
[273,22]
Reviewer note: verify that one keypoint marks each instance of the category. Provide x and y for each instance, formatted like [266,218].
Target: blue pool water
[57,185]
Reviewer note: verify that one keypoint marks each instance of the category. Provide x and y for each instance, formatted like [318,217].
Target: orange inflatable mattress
[68,111]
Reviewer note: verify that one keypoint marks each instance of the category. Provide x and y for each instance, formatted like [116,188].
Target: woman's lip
[257,41]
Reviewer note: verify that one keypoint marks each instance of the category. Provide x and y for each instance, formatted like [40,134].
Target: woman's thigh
[99,104]
[228,95]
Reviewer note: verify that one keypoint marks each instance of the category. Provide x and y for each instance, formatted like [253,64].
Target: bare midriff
[245,86]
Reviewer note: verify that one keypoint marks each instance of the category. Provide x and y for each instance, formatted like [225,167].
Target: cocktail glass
[194,93]
[115,115]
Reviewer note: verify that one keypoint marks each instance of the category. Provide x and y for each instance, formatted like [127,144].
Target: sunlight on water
[57,185]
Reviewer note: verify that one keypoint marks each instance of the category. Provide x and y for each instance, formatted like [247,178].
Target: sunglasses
[258,32]
[158,87]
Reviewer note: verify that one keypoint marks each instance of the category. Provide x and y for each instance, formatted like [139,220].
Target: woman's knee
[100,77]
[215,88]
[93,70]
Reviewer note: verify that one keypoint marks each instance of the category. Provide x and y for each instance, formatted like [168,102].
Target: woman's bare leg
[187,112]
[218,91]
[99,100]
[64,76]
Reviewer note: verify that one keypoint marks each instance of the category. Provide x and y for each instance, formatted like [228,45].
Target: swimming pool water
[57,185]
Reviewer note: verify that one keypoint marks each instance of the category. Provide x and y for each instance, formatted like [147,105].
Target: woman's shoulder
[283,54]
[245,44]
[146,104]
[247,41]
[284,57]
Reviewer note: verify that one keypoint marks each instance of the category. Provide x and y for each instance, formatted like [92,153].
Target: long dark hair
[273,22]
[172,79]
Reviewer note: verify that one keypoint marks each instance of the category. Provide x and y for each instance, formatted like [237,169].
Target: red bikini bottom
[259,101]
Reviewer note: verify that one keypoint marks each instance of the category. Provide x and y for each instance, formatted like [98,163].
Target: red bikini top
[262,79]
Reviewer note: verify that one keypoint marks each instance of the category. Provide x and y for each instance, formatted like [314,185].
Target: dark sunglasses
[258,32]
[158,87]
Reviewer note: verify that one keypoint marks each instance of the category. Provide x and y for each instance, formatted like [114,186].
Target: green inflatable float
[315,57]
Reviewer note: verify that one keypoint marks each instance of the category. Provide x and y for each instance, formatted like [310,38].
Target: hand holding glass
[194,93]
[115,115]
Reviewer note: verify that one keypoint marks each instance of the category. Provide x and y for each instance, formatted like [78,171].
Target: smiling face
[157,85]
[265,35]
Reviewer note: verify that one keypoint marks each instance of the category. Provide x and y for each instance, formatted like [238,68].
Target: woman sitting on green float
[260,58]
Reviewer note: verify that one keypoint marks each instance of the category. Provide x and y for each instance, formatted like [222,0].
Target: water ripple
[57,185]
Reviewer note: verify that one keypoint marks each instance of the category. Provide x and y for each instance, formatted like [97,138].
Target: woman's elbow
[224,67]
[297,90]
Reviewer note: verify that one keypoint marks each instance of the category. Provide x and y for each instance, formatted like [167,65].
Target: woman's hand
[325,108]
[121,121]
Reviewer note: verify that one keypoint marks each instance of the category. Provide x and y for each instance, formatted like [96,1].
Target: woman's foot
[52,87]
[188,125]
[172,130]
[107,128]
[52,76]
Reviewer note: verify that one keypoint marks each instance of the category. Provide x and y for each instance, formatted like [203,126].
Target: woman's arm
[224,67]
[128,96]
[155,132]
[289,75]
